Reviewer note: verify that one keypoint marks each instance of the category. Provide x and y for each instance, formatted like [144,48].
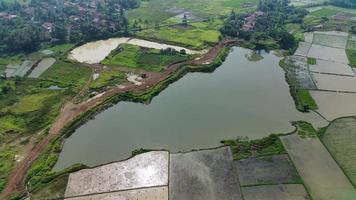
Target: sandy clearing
[94,52]
[322,176]
[156,45]
[328,53]
[324,66]
[157,193]
[334,82]
[144,170]
[333,105]
[275,192]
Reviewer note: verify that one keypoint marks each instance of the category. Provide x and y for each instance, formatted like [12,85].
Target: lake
[241,98]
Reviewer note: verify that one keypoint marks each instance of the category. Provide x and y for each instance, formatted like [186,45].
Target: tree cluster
[25,27]
[269,26]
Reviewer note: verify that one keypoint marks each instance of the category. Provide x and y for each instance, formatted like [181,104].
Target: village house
[250,21]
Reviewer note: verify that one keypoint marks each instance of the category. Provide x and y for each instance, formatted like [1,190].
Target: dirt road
[70,111]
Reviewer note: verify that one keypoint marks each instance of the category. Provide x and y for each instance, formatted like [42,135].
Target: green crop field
[6,164]
[108,77]
[311,61]
[306,99]
[305,129]
[351,55]
[340,139]
[136,57]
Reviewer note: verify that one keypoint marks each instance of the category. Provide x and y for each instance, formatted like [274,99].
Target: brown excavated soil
[70,111]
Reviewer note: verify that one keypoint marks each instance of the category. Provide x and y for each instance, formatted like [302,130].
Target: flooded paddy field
[241,98]
[328,53]
[276,169]
[335,82]
[324,66]
[203,175]
[340,139]
[275,192]
[321,175]
[333,105]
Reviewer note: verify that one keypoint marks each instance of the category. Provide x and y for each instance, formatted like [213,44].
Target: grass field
[244,148]
[108,77]
[6,164]
[140,58]
[305,99]
[65,74]
[196,36]
[311,61]
[305,129]
[324,12]
[340,139]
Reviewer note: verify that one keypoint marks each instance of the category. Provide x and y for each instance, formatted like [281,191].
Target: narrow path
[70,111]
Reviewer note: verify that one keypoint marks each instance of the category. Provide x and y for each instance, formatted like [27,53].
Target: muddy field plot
[308,37]
[275,192]
[334,82]
[145,170]
[331,39]
[322,176]
[303,49]
[203,175]
[328,53]
[266,170]
[324,66]
[299,72]
[333,105]
[42,67]
[158,193]
[340,139]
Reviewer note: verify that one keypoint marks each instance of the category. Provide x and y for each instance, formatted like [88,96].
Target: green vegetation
[305,100]
[324,12]
[245,148]
[196,36]
[311,61]
[351,55]
[302,98]
[108,77]
[53,189]
[65,74]
[305,129]
[6,163]
[132,56]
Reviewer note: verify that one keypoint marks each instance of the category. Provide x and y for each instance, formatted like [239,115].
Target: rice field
[303,49]
[334,82]
[323,66]
[305,2]
[42,67]
[340,139]
[156,193]
[331,39]
[322,176]
[275,192]
[328,53]
[144,170]
[203,175]
[333,105]
[276,169]
[20,70]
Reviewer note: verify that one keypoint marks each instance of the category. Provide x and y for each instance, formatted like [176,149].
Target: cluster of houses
[250,21]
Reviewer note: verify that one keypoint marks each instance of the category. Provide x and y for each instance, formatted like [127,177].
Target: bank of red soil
[70,111]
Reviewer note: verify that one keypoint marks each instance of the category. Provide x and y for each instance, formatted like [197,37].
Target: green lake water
[241,98]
